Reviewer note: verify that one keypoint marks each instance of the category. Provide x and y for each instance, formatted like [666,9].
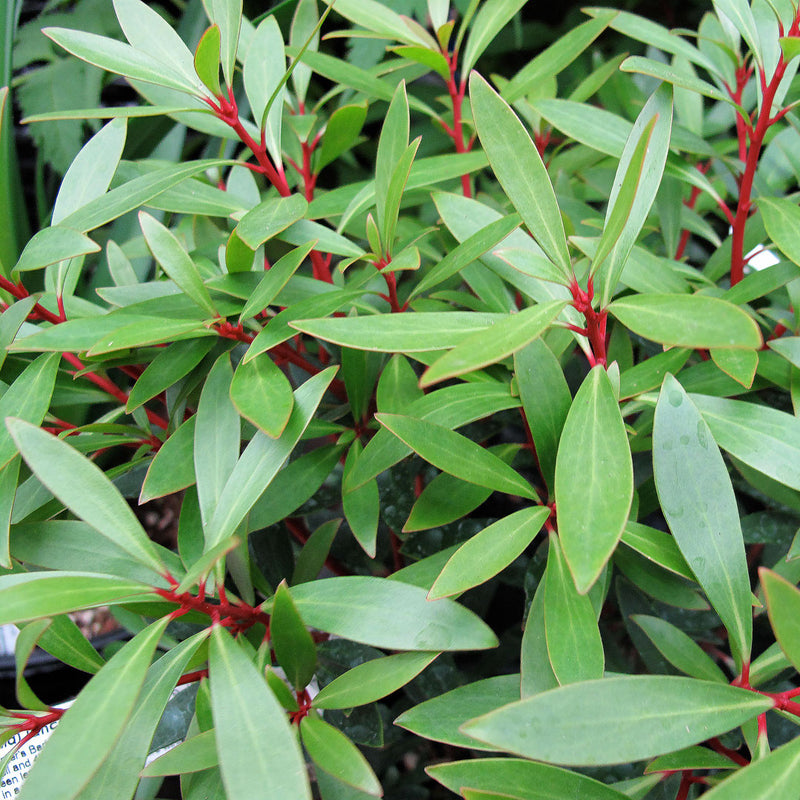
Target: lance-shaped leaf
[294,648]
[172,469]
[393,143]
[503,339]
[206,60]
[84,489]
[51,245]
[536,671]
[270,218]
[455,454]
[489,552]
[89,729]
[389,614]
[519,168]
[120,58]
[372,680]
[687,320]
[570,624]
[245,711]
[441,718]
[649,166]
[493,16]
[783,604]
[699,505]
[264,71]
[227,15]
[261,460]
[28,397]
[119,774]
[361,505]
[679,649]
[593,479]
[333,752]
[772,777]
[262,394]
[673,75]
[379,18]
[781,219]
[192,755]
[648,714]
[399,333]
[524,779]
[175,261]
[762,437]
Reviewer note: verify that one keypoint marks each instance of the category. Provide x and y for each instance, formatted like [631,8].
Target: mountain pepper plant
[474,395]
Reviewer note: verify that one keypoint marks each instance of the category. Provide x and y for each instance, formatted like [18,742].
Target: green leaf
[172,469]
[455,454]
[520,170]
[246,711]
[649,374]
[216,439]
[570,623]
[392,145]
[378,17]
[539,374]
[783,604]
[673,75]
[773,777]
[593,479]
[167,368]
[643,172]
[361,505]
[389,614]
[524,779]
[85,490]
[262,394]
[536,671]
[275,278]
[269,218]
[89,729]
[764,438]
[29,596]
[556,58]
[699,505]
[694,757]
[492,17]
[741,365]
[649,715]
[595,127]
[489,552]
[227,15]
[148,32]
[51,245]
[657,546]
[206,60]
[679,649]
[175,261]
[741,15]
[333,752]
[394,195]
[781,218]
[441,718]
[119,774]
[373,680]
[264,71]
[28,397]
[23,647]
[64,641]
[153,330]
[341,133]
[9,481]
[294,648]
[120,58]
[399,333]
[311,559]
[261,460]
[192,755]
[304,29]
[510,334]
[695,321]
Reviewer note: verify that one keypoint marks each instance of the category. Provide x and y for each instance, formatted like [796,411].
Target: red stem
[457,90]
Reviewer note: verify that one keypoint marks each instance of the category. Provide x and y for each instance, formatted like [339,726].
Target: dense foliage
[475,397]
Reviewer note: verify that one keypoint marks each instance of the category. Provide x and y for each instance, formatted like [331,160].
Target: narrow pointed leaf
[87,732]
[700,508]
[333,752]
[593,479]
[294,648]
[51,245]
[389,614]
[648,714]
[503,339]
[519,169]
[227,14]
[245,711]
[373,680]
[570,624]
[456,455]
[695,321]
[206,60]
[493,16]
[85,490]
[783,603]
[489,552]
